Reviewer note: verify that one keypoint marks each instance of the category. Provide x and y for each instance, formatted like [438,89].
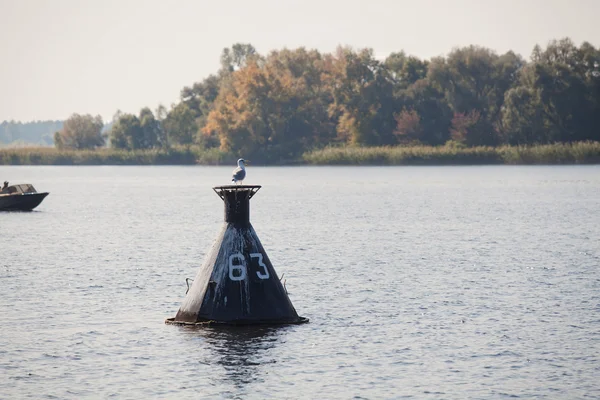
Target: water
[420,282]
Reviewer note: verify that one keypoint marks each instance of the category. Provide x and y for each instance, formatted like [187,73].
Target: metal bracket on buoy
[188,284]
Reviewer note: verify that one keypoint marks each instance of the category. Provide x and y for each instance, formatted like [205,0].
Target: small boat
[21,197]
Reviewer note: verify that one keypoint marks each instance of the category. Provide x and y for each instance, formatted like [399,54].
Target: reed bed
[107,156]
[559,153]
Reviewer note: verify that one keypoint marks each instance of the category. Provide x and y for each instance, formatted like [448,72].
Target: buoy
[237,283]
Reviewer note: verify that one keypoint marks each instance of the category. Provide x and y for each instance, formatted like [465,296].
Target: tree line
[36,132]
[278,106]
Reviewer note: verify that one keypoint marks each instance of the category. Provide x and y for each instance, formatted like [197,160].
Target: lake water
[419,282]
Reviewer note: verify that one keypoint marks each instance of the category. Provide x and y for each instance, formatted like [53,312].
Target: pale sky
[59,57]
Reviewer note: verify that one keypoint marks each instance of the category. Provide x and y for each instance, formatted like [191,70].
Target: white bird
[240,172]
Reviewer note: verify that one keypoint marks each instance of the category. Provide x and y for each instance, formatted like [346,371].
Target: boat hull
[21,202]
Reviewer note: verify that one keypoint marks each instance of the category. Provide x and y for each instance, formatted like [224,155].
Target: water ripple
[467,282]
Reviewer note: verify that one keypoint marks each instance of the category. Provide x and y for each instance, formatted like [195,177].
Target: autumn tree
[461,130]
[273,109]
[408,126]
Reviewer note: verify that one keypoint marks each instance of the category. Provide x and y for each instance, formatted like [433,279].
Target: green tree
[557,96]
[427,102]
[127,133]
[80,132]
[362,94]
[161,114]
[405,70]
[152,131]
[523,117]
[200,98]
[180,123]
[475,79]
[237,57]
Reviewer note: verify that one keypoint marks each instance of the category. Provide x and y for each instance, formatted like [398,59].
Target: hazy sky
[64,56]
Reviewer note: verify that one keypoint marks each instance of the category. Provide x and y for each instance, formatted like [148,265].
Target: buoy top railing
[236,199]
[222,190]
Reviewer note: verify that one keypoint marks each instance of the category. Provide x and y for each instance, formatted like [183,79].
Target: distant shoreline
[552,154]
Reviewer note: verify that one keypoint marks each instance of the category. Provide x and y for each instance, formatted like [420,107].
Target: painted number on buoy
[238,271]
[261,275]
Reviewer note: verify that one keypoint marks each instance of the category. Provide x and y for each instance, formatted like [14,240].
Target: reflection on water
[241,351]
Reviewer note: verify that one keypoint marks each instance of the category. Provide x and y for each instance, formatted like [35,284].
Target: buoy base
[171,321]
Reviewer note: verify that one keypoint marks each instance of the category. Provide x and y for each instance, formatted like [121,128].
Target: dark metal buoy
[237,284]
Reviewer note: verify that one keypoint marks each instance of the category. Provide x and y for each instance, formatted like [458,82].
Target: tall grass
[576,153]
[559,153]
[106,156]
[413,155]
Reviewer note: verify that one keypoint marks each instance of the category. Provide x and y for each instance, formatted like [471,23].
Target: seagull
[240,172]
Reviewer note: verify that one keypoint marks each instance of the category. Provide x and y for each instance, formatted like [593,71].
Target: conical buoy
[237,283]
